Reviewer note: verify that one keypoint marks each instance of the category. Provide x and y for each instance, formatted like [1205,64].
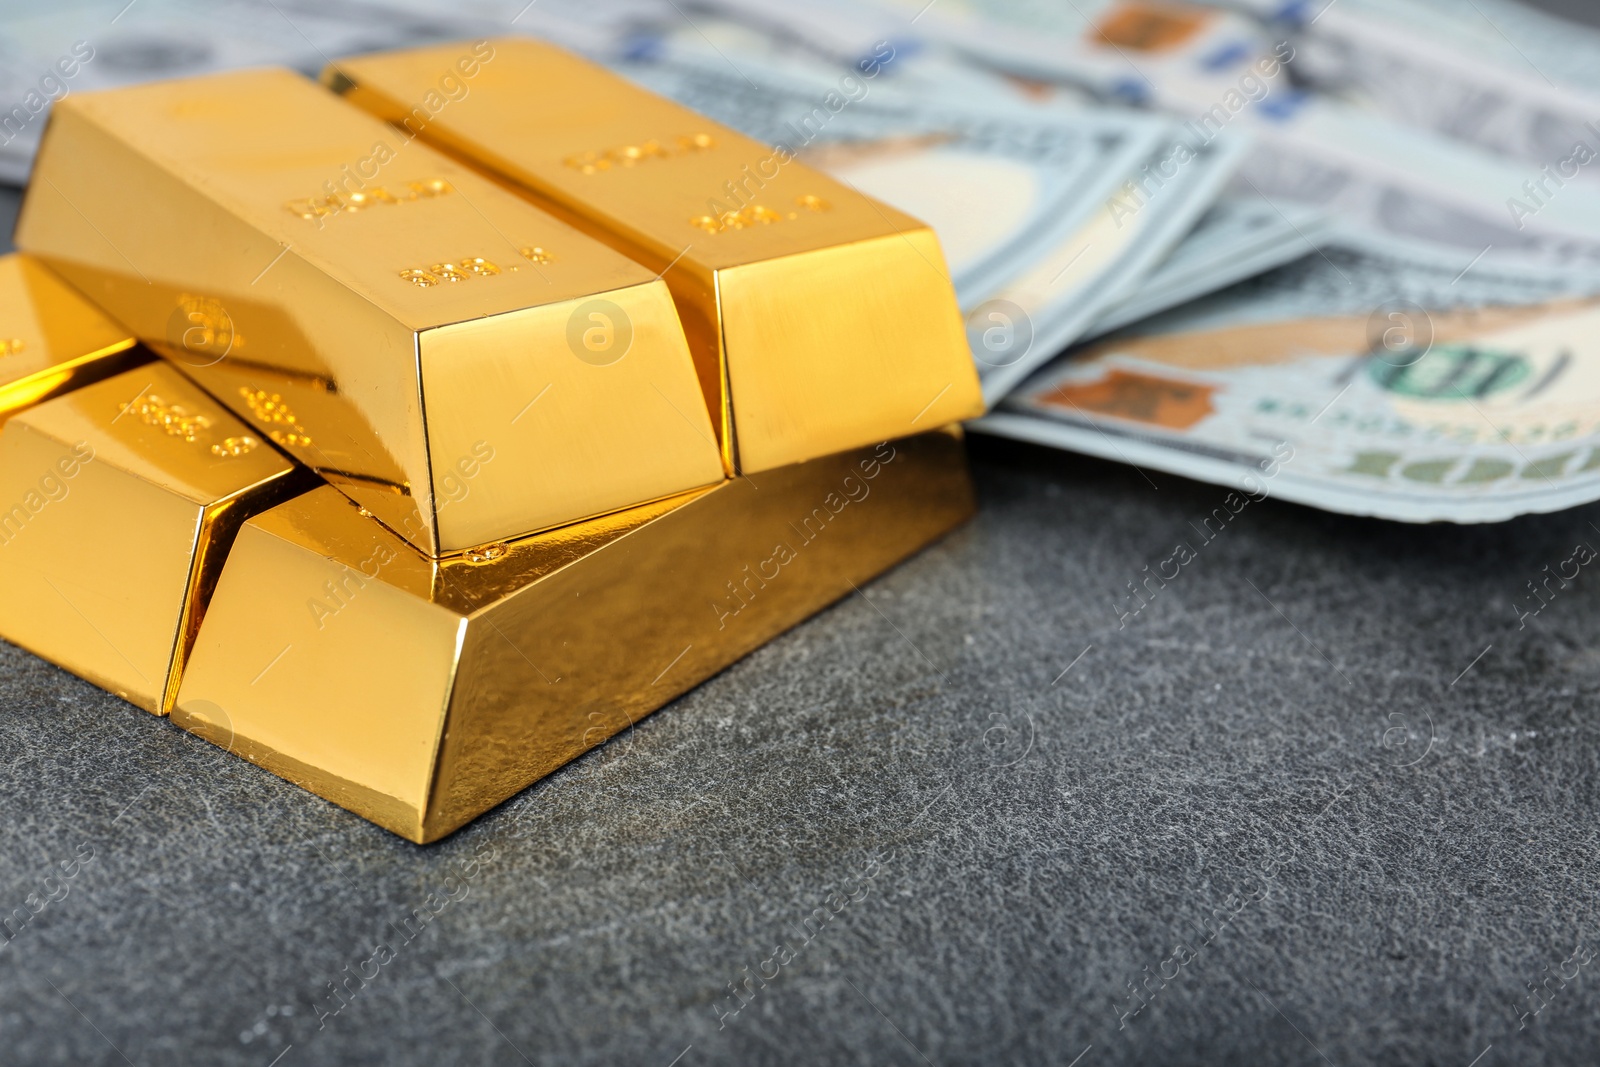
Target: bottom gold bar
[421,693]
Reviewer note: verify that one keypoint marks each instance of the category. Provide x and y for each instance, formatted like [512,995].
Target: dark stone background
[1289,743]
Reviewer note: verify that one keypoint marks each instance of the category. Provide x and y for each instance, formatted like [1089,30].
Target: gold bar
[52,340]
[117,505]
[820,319]
[421,693]
[461,364]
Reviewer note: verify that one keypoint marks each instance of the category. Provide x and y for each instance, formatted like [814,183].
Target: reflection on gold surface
[117,505]
[51,338]
[820,319]
[294,255]
[419,693]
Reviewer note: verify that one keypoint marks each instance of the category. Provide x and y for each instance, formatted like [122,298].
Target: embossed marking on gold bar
[756,215]
[633,155]
[458,271]
[321,207]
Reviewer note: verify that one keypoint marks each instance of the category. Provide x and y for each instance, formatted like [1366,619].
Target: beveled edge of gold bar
[66,342]
[223,521]
[599,619]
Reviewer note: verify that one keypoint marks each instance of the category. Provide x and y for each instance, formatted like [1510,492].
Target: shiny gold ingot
[820,318]
[52,340]
[420,693]
[117,505]
[455,360]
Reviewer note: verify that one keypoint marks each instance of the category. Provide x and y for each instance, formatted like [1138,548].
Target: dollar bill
[1390,186]
[1240,237]
[1510,36]
[1123,50]
[1375,171]
[1057,298]
[1411,61]
[1351,380]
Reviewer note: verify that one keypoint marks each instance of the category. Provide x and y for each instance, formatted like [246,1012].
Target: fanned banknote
[1241,236]
[1057,299]
[1460,71]
[1352,381]
[1131,52]
[1428,365]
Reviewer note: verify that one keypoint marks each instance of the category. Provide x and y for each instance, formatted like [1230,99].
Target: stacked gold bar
[429,490]
[820,318]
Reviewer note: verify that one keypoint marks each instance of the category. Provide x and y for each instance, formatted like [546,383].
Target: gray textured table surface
[1322,801]
[998,852]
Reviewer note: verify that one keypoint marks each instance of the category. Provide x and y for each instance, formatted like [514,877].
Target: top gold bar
[463,365]
[820,319]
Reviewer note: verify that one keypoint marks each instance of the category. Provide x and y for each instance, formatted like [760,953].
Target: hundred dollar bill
[1458,71]
[1518,35]
[1512,36]
[1351,380]
[1125,50]
[1240,237]
[1056,299]
[1389,185]
[1377,174]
